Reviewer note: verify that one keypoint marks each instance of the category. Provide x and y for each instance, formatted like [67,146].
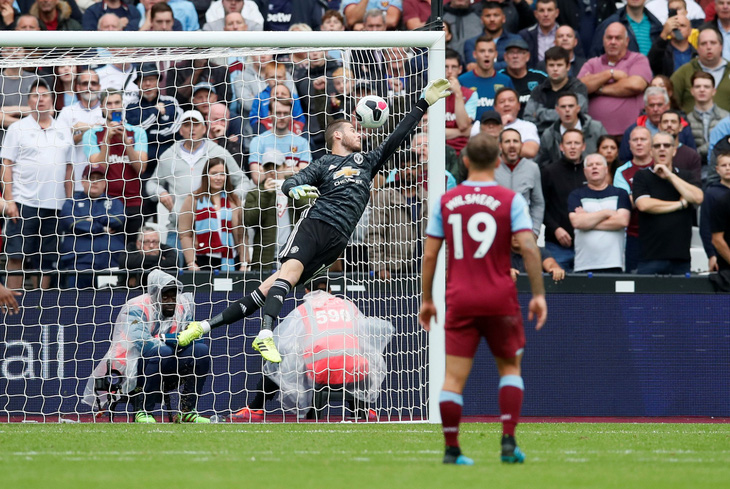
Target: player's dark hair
[573,131]
[482,151]
[512,130]
[556,53]
[329,133]
[567,94]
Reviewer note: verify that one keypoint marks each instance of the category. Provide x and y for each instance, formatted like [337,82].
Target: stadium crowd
[613,124]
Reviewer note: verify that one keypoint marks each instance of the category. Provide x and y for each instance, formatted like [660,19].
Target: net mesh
[82,251]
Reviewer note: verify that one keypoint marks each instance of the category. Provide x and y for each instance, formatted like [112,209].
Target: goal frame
[433,40]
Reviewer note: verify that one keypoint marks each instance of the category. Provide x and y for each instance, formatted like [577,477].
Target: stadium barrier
[660,351]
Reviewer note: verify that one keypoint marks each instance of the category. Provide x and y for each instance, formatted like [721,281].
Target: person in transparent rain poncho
[325,342]
[144,350]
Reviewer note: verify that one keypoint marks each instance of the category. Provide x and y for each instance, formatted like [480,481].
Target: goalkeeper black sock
[240,309]
[274,302]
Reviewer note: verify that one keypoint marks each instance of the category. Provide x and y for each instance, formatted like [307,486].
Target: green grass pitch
[348,455]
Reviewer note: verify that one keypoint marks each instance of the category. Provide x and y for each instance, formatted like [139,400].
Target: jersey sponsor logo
[117,159]
[525,98]
[450,117]
[485,102]
[279,17]
[358,158]
[347,172]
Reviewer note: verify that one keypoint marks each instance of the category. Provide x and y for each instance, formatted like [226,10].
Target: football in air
[372,111]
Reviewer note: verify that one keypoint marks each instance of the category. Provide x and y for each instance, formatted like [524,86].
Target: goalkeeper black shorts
[316,244]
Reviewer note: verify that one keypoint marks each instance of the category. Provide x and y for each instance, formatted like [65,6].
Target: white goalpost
[50,350]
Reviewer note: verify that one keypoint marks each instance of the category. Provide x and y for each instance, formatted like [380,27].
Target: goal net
[168,153]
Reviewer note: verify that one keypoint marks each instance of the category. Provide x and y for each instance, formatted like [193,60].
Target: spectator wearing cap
[81,116]
[93,227]
[491,124]
[525,80]
[355,11]
[294,148]
[54,15]
[185,17]
[123,148]
[159,115]
[204,95]
[270,214]
[179,169]
[37,178]
[216,13]
[128,15]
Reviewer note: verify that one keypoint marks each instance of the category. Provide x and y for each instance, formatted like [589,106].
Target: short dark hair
[503,90]
[482,151]
[702,75]
[672,111]
[510,129]
[484,38]
[161,8]
[573,131]
[452,54]
[566,94]
[333,13]
[556,53]
[329,133]
[554,2]
[490,5]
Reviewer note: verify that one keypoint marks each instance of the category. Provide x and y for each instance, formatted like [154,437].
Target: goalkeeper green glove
[301,191]
[191,333]
[436,90]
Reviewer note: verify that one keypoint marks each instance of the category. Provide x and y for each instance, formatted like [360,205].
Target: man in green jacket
[709,59]
[269,213]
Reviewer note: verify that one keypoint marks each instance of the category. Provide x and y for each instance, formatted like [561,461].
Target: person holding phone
[672,48]
[123,148]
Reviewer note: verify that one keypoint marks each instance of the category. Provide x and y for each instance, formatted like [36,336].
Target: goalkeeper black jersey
[344,181]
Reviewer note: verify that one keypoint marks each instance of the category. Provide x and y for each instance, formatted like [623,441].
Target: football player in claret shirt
[478,220]
[341,183]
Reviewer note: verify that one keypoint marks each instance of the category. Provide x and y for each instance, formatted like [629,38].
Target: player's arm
[721,246]
[533,266]
[428,270]
[434,91]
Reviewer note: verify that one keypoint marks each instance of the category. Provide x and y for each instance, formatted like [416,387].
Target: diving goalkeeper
[341,182]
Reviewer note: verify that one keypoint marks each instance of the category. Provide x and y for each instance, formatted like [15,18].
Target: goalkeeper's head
[342,138]
[481,153]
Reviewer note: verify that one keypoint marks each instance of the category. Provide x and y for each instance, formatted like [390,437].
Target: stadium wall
[599,355]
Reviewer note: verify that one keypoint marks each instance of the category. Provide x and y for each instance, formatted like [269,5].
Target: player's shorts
[505,335]
[315,244]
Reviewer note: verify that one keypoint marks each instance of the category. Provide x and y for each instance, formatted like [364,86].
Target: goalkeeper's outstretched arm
[433,92]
